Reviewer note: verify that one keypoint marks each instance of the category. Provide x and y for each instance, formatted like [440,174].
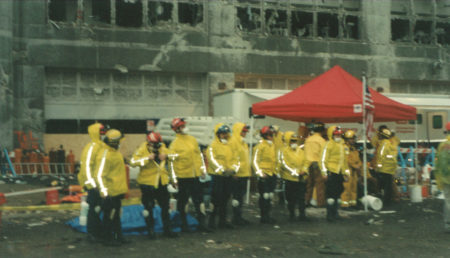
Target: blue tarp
[133,222]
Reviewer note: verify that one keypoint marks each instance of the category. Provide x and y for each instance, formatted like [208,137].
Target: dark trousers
[161,195]
[94,224]
[295,195]
[266,188]
[334,188]
[385,182]
[111,217]
[189,187]
[239,188]
[220,196]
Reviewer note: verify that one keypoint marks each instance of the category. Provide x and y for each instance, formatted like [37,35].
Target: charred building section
[131,60]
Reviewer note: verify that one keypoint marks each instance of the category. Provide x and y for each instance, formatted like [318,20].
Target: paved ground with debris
[406,229]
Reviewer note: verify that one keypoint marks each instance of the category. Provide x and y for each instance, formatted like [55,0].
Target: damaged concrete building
[66,63]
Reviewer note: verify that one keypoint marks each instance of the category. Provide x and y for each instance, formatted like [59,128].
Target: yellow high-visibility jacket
[386,157]
[221,156]
[111,174]
[313,147]
[442,164]
[185,158]
[87,176]
[151,172]
[292,162]
[264,159]
[333,157]
[240,147]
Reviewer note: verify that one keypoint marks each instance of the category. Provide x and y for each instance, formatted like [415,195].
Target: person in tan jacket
[349,196]
[313,146]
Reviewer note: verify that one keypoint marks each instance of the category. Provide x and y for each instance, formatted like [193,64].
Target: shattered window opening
[400,30]
[351,27]
[276,22]
[443,33]
[328,25]
[422,32]
[62,10]
[189,13]
[129,13]
[101,11]
[159,12]
[249,19]
[302,24]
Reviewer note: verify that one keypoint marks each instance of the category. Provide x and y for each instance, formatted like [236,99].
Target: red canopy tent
[334,96]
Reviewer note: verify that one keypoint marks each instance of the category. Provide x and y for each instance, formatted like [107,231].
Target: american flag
[370,108]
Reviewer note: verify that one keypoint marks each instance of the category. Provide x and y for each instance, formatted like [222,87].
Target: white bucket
[416,193]
[373,202]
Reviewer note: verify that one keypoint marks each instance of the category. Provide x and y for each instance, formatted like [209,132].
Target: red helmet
[337,131]
[266,130]
[154,137]
[103,129]
[447,126]
[245,128]
[176,123]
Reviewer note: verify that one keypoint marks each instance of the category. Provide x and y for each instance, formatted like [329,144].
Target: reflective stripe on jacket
[87,175]
[150,171]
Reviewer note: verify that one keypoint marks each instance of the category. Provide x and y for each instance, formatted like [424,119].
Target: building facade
[66,63]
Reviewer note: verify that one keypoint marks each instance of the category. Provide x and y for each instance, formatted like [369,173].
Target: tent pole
[252,125]
[364,139]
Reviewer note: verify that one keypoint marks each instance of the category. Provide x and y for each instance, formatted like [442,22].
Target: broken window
[101,11]
[62,10]
[351,27]
[159,12]
[422,32]
[443,33]
[302,24]
[249,19]
[276,22]
[328,25]
[129,13]
[400,30]
[190,13]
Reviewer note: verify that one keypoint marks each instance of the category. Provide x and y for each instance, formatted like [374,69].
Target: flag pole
[364,138]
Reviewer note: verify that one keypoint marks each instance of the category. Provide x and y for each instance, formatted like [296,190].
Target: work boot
[302,217]
[330,215]
[168,233]
[225,224]
[292,216]
[121,239]
[151,234]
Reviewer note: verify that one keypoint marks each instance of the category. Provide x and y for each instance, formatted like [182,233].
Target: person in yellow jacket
[187,166]
[313,146]
[386,165]
[294,173]
[113,186]
[350,194]
[87,179]
[264,163]
[223,163]
[442,173]
[153,179]
[334,167]
[239,183]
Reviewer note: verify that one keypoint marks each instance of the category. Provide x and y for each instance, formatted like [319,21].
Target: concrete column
[216,83]
[377,32]
[6,86]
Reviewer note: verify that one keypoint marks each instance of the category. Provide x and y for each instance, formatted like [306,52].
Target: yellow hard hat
[113,135]
[349,134]
[386,133]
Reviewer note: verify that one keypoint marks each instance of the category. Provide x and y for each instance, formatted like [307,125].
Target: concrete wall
[6,74]
[214,48]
